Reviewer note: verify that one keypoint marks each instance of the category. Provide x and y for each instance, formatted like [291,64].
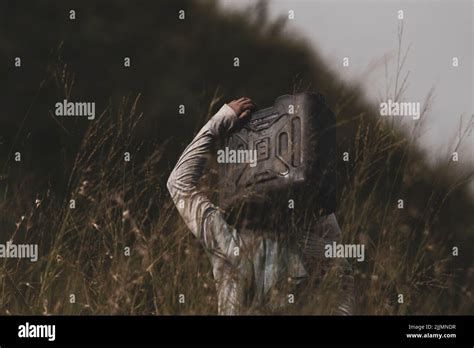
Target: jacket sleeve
[191,202]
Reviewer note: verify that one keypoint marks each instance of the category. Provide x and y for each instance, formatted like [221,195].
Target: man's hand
[243,107]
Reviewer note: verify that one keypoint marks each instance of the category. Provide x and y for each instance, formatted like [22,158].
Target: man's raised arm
[192,203]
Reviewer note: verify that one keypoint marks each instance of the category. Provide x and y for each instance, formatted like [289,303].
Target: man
[257,265]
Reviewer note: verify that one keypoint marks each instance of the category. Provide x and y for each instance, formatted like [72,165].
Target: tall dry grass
[120,205]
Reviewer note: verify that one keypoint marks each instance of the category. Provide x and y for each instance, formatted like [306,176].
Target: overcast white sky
[365,31]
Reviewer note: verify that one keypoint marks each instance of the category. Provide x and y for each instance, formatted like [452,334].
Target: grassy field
[121,248]
[111,242]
